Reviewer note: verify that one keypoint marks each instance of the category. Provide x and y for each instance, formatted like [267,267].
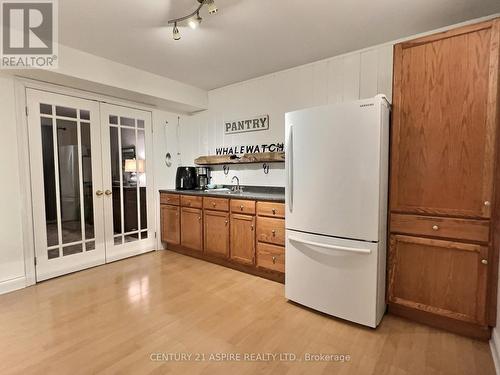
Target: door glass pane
[69,180]
[129,164]
[115,179]
[144,234]
[89,245]
[49,182]
[131,237]
[141,176]
[46,109]
[88,201]
[84,115]
[73,249]
[127,121]
[65,112]
[53,253]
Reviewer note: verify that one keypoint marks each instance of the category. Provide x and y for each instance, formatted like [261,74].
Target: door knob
[99,193]
[484,261]
[108,192]
[435,227]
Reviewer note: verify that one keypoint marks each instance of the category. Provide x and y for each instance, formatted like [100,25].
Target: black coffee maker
[185,178]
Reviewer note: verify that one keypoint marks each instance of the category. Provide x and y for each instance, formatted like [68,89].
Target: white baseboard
[495,348]
[12,284]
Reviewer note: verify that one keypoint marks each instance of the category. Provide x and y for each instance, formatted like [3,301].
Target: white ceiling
[248,38]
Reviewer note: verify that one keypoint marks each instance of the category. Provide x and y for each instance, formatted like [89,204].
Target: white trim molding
[495,349]
[12,284]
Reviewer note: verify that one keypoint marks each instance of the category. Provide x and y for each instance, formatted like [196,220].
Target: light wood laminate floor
[110,319]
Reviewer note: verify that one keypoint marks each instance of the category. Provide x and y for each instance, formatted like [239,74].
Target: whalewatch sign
[251,124]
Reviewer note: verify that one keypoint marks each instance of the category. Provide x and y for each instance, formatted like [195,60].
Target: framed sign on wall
[250,124]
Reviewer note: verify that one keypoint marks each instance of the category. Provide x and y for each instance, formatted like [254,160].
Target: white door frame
[21,84]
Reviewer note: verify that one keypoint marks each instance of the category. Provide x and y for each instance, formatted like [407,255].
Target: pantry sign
[251,124]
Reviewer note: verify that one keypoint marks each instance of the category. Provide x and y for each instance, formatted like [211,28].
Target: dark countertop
[257,193]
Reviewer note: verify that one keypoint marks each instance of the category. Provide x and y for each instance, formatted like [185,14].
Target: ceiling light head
[212,8]
[176,33]
[195,21]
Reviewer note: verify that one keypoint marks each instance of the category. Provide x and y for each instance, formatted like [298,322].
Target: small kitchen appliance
[202,177]
[185,178]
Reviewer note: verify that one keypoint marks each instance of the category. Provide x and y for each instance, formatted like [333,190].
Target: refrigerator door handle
[289,157]
[332,247]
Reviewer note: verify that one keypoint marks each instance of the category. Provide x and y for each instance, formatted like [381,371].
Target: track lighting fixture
[194,22]
[177,34]
[193,19]
[212,8]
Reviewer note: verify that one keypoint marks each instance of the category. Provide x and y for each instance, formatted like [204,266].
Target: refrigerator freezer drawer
[336,276]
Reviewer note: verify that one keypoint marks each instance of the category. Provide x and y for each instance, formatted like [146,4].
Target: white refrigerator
[336,208]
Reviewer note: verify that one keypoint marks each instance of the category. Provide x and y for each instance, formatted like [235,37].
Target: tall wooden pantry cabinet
[445,180]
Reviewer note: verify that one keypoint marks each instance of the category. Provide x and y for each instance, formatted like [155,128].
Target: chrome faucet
[238,188]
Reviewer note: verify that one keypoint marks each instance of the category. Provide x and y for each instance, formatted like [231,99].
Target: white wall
[356,75]
[11,238]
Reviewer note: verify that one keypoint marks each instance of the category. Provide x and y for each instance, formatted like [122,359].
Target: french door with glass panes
[127,171]
[91,200]
[66,174]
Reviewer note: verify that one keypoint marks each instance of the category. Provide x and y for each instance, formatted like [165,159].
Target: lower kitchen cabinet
[192,228]
[170,224]
[441,277]
[243,238]
[271,257]
[242,234]
[216,233]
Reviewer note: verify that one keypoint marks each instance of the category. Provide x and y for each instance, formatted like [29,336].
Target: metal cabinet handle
[227,222]
[251,226]
[435,227]
[274,211]
[487,203]
[99,193]
[108,192]
[484,261]
[241,207]
[199,217]
[213,204]
[274,260]
[273,232]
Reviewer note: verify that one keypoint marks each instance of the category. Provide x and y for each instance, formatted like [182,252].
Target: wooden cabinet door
[444,122]
[191,228]
[170,224]
[441,277]
[243,238]
[216,233]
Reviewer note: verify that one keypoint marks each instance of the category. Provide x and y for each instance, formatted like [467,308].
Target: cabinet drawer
[218,204]
[461,229]
[271,209]
[271,257]
[191,201]
[271,230]
[243,206]
[170,199]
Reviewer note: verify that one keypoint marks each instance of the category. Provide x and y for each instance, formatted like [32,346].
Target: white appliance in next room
[336,208]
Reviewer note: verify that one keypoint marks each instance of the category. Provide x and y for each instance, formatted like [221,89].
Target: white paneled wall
[11,231]
[348,77]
